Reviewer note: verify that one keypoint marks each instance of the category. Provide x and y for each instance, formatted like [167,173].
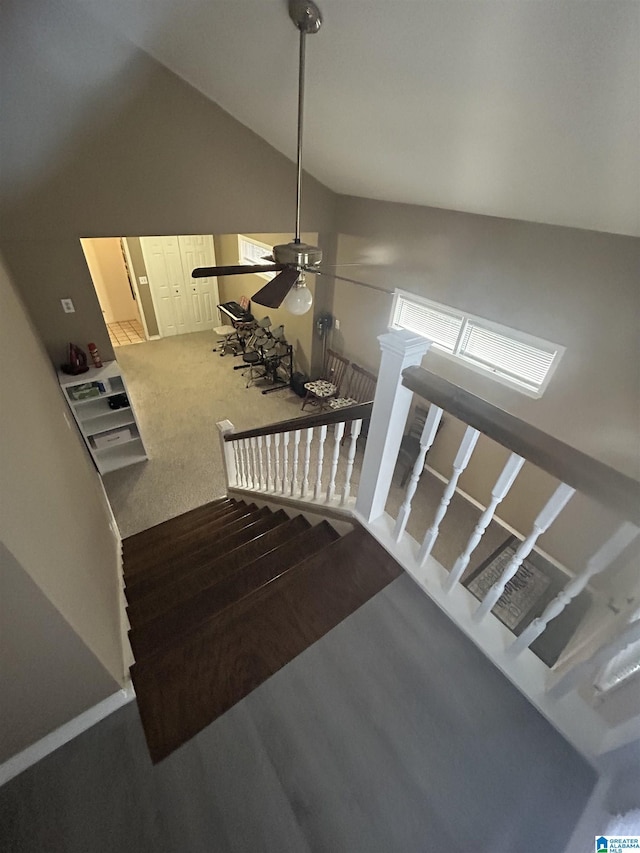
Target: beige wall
[114,144]
[59,554]
[144,291]
[298,329]
[576,288]
[110,279]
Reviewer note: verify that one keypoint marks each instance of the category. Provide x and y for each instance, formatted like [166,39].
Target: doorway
[115,288]
[145,289]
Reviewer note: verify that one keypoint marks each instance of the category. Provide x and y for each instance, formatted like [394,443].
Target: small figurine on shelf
[95,355]
[77,361]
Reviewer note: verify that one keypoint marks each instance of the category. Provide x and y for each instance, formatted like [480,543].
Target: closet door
[167,284]
[196,250]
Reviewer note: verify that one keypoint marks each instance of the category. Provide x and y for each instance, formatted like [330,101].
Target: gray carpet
[179,390]
[392,734]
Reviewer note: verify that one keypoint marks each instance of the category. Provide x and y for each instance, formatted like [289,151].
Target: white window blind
[510,356]
[253,252]
[440,327]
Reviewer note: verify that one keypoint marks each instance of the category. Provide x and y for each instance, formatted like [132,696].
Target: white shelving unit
[111,435]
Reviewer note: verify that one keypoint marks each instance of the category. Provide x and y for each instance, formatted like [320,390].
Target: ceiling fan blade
[272,294]
[316,271]
[245,269]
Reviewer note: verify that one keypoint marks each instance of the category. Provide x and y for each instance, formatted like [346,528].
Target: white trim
[134,284]
[57,738]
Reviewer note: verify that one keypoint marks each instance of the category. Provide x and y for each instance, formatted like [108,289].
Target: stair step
[182,689]
[159,559]
[152,534]
[136,560]
[219,543]
[182,619]
[208,566]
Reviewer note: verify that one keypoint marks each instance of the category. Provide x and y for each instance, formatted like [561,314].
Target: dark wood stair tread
[137,561]
[184,618]
[159,559]
[184,688]
[184,521]
[208,566]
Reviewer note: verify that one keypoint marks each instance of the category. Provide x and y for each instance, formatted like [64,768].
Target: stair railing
[576,471]
[288,458]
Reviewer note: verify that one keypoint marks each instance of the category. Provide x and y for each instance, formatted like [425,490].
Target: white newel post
[400,349]
[228,458]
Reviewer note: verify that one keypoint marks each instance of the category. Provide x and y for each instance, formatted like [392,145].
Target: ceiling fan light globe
[299,300]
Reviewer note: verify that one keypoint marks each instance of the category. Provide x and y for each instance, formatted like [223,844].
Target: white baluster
[254,460]
[356,426]
[630,633]
[261,476]
[236,460]
[243,472]
[247,460]
[545,519]
[603,557]
[285,462]
[338,432]
[429,430]
[307,460]
[294,473]
[461,461]
[267,442]
[276,461]
[501,488]
[322,435]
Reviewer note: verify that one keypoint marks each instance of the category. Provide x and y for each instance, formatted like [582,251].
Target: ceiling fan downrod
[307,18]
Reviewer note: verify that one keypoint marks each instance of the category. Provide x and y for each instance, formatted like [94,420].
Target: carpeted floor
[180,389]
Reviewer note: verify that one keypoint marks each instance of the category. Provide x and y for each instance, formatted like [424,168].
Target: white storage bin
[109,439]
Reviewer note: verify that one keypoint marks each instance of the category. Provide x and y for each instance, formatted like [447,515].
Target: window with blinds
[253,252]
[510,356]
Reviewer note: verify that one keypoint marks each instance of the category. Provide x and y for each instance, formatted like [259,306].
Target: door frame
[134,284]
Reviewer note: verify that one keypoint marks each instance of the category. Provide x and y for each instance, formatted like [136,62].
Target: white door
[167,284]
[196,250]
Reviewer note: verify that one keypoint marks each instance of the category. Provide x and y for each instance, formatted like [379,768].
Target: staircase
[222,597]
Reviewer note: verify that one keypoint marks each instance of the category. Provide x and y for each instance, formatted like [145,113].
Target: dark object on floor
[218,603]
[515,609]
[297,383]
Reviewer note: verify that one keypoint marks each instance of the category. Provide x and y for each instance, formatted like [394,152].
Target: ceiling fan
[290,260]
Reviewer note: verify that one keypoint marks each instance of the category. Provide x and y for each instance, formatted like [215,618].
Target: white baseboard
[49,743]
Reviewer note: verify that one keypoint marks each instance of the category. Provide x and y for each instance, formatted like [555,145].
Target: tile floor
[126,332]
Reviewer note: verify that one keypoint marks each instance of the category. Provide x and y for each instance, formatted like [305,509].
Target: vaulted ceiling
[528,109]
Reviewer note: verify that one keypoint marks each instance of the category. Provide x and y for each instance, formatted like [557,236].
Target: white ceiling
[528,109]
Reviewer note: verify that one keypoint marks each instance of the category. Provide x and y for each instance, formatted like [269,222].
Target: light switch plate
[143,279]
[68,306]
